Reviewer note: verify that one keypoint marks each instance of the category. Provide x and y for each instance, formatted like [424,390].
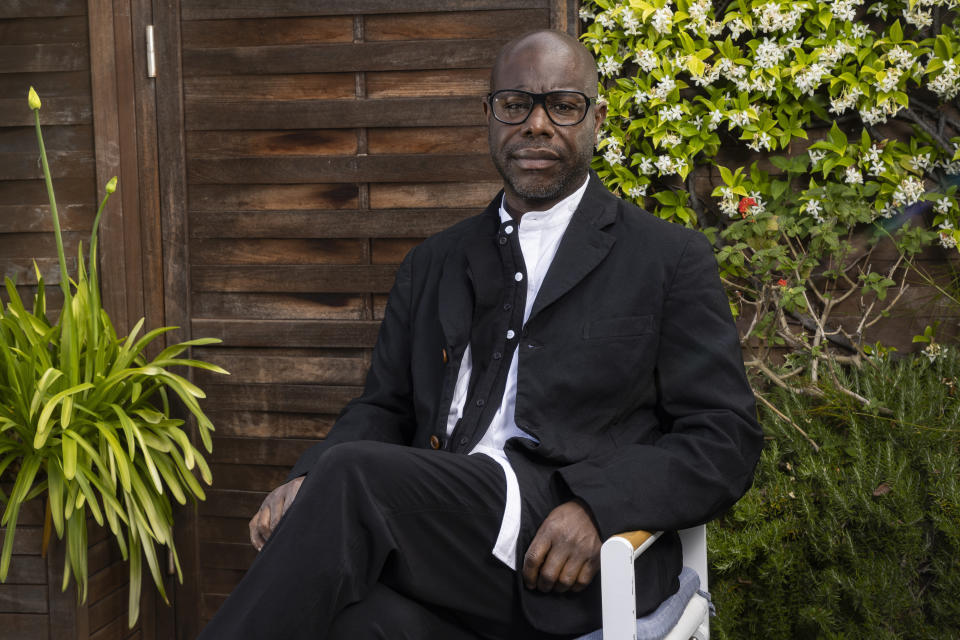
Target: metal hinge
[151,54]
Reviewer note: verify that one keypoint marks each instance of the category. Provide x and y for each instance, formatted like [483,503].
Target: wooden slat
[56,110]
[223,9]
[302,86]
[22,598]
[227,555]
[42,8]
[231,504]
[267,451]
[440,194]
[306,142]
[327,58]
[55,139]
[269,31]
[47,85]
[260,333]
[277,306]
[102,554]
[325,114]
[227,529]
[109,608]
[248,477]
[266,197]
[351,169]
[24,246]
[44,30]
[220,581]
[455,25]
[391,250]
[29,218]
[264,369]
[294,278]
[275,251]
[270,425]
[428,140]
[22,272]
[419,84]
[26,540]
[298,398]
[107,580]
[27,570]
[403,223]
[39,58]
[63,164]
[34,192]
[23,626]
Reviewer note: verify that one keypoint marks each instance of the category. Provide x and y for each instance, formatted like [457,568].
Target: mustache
[512,149]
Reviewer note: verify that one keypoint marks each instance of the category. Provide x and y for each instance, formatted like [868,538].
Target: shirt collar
[559,213]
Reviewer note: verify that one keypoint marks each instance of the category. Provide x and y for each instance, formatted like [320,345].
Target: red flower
[781,282]
[746,203]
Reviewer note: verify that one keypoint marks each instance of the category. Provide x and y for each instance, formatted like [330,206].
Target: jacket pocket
[618,327]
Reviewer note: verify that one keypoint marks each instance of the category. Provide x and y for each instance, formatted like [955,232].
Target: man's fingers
[533,560]
[275,503]
[260,527]
[586,575]
[551,570]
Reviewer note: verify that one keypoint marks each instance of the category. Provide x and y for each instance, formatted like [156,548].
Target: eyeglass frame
[541,99]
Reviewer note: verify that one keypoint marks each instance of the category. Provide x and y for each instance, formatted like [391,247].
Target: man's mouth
[535,159]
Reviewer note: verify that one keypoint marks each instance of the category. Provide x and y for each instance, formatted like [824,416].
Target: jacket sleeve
[711,440]
[384,412]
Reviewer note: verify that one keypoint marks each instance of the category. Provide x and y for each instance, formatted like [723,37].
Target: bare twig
[783,417]
[944,144]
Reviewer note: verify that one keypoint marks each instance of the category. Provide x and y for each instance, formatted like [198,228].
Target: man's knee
[384,614]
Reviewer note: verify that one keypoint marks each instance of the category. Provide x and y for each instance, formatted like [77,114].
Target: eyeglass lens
[564,108]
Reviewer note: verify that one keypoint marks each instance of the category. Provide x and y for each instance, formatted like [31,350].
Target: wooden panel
[111,607]
[268,451]
[231,503]
[103,582]
[418,84]
[23,626]
[306,142]
[404,223]
[298,398]
[48,86]
[326,58]
[452,194]
[22,598]
[259,333]
[27,570]
[303,86]
[428,140]
[42,8]
[391,250]
[277,306]
[63,164]
[380,168]
[256,367]
[278,251]
[227,555]
[227,529]
[38,58]
[223,9]
[460,25]
[324,114]
[63,110]
[296,278]
[26,540]
[271,31]
[249,477]
[273,425]
[264,197]
[55,139]
[44,30]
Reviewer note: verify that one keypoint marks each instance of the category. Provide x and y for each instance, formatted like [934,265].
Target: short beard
[571,175]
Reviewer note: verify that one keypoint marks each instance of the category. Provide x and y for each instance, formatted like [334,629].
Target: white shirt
[539,234]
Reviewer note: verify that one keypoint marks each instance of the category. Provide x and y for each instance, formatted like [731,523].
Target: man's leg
[422,522]
[384,614]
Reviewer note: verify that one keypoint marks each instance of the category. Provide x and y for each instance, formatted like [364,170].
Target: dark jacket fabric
[630,376]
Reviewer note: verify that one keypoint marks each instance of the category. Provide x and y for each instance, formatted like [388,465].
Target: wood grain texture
[278,251]
[261,424]
[302,86]
[326,114]
[267,451]
[268,31]
[298,398]
[419,84]
[305,142]
[261,368]
[293,278]
[23,626]
[254,197]
[55,111]
[452,140]
[23,598]
[460,25]
[429,195]
[63,164]
[259,333]
[224,9]
[349,169]
[385,223]
[40,58]
[277,306]
[52,30]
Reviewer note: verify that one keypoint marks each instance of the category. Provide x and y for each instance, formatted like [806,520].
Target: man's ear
[486,109]
[600,114]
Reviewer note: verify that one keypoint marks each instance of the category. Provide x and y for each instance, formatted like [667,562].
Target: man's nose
[538,122]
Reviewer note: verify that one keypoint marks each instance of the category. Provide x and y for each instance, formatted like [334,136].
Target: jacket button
[434,442]
[443,353]
[481,402]
[503,240]
[497,355]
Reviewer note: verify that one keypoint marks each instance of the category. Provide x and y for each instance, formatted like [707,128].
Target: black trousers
[383,541]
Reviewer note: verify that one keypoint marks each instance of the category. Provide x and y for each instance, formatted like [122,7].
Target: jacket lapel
[583,247]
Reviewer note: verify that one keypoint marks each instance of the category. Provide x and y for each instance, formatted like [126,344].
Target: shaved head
[582,66]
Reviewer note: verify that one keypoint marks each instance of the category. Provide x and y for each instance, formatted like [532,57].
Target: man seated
[557,369]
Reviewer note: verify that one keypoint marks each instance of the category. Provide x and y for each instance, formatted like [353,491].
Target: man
[560,368]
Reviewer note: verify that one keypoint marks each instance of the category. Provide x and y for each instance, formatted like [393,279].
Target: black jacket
[630,373]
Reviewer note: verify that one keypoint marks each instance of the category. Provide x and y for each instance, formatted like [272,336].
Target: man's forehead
[542,64]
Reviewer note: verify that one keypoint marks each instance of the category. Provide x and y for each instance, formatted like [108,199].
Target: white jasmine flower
[942,207]
[907,192]
[816,155]
[890,80]
[815,209]
[613,155]
[880,9]
[586,14]
[609,66]
[670,113]
[853,176]
[605,20]
[860,30]
[646,60]
[631,25]
[646,166]
[637,192]
[920,162]
[736,27]
[662,19]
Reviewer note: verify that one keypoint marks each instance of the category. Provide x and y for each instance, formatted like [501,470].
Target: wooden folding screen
[320,141]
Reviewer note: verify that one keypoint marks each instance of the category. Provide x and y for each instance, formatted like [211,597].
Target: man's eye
[563,107]
[515,106]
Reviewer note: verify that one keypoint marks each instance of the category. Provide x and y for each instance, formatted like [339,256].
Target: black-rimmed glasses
[564,108]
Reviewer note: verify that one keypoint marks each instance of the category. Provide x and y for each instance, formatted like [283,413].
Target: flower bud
[112,185]
[33,99]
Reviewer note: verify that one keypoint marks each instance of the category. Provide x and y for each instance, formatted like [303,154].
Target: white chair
[689,608]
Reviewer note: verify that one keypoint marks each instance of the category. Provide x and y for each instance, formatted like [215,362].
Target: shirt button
[463,441]
[481,402]
[518,276]
[503,240]
[508,230]
[434,442]
[497,355]
[510,334]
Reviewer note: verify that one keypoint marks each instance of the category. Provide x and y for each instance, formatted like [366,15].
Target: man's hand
[565,553]
[274,506]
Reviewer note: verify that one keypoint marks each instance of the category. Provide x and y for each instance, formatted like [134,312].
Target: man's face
[541,162]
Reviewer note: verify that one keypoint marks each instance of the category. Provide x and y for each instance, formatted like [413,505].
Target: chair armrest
[638,540]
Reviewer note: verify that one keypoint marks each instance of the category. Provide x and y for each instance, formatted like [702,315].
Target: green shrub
[859,537]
